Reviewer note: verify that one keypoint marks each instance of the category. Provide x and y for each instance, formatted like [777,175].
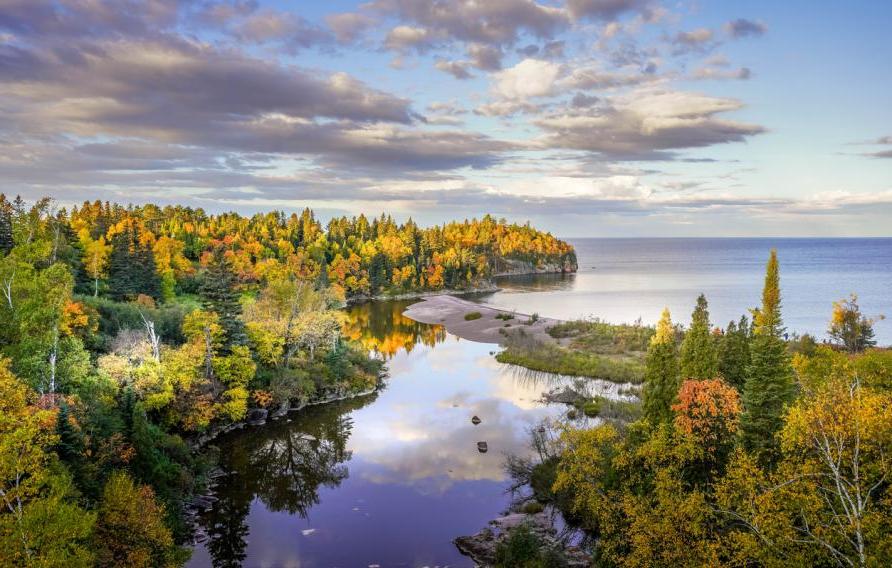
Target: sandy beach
[450,311]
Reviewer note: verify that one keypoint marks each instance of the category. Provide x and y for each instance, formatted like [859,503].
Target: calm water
[620,280]
[389,479]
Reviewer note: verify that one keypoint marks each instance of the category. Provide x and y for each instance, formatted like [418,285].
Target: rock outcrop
[481,547]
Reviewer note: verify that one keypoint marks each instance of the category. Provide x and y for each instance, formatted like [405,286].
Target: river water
[388,479]
[391,478]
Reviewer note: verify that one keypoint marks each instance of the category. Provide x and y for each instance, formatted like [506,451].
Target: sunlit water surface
[621,280]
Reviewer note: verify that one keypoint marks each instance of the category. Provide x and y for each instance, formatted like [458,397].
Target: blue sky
[587,117]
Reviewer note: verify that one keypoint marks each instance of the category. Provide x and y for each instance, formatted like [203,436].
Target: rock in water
[482,447]
[476,420]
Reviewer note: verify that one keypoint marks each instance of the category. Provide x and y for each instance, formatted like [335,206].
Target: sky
[589,118]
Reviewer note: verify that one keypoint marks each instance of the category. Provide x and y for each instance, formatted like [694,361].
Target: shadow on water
[283,464]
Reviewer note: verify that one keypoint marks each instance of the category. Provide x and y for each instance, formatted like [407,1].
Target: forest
[128,335]
[751,447]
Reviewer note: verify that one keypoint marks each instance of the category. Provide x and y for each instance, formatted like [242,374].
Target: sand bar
[450,311]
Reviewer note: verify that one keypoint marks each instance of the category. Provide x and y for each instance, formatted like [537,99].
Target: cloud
[741,27]
[267,26]
[646,124]
[494,22]
[742,73]
[458,69]
[485,57]
[532,78]
[604,9]
[882,141]
[349,26]
[529,78]
[408,38]
[698,40]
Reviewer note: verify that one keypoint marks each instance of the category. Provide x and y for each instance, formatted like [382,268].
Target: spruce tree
[734,353]
[131,267]
[661,378]
[219,295]
[6,240]
[769,385]
[699,359]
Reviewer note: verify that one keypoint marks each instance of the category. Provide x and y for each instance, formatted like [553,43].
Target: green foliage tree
[699,359]
[850,328]
[40,525]
[661,376]
[130,530]
[734,353]
[769,385]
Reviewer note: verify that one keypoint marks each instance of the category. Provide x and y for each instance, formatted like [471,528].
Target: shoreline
[450,311]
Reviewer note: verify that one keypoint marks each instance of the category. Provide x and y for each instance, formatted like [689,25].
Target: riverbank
[578,348]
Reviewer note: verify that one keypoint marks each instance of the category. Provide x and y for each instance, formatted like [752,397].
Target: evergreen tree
[131,267]
[661,378]
[734,353]
[6,240]
[699,359]
[219,295]
[769,385]
[70,444]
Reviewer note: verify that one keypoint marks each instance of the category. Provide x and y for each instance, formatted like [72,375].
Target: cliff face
[512,267]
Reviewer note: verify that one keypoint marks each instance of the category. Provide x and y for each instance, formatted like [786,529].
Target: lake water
[620,280]
[390,479]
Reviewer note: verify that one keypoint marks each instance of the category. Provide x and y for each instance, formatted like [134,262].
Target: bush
[523,549]
[471,316]
[504,316]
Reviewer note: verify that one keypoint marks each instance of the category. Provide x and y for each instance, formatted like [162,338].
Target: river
[388,479]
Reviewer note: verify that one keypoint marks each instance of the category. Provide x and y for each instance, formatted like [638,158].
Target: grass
[603,338]
[471,316]
[504,316]
[609,409]
[539,356]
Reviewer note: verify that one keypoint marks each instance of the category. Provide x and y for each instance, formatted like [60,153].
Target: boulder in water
[482,447]
[476,420]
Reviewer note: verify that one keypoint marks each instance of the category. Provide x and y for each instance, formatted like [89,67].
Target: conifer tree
[699,359]
[218,295]
[734,353]
[6,240]
[661,378]
[131,267]
[769,385]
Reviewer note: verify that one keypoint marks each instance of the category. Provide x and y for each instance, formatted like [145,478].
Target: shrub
[471,316]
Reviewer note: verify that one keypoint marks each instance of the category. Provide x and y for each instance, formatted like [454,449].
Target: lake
[621,280]
[391,478]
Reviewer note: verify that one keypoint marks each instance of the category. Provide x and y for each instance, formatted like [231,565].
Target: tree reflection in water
[283,464]
[382,328]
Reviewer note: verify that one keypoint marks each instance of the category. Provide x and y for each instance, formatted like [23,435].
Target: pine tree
[70,444]
[734,353]
[769,385]
[699,359]
[6,240]
[219,295]
[661,378]
[131,267]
